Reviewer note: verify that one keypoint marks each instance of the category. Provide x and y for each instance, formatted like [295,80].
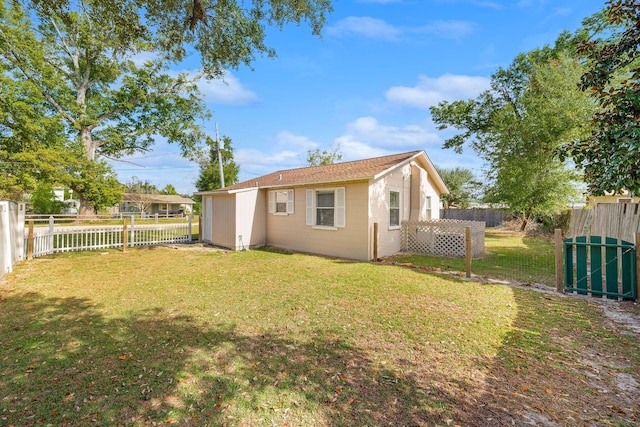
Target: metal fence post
[190,236]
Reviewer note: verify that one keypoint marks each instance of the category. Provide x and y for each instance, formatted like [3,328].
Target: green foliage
[532,107]
[140,187]
[209,178]
[72,70]
[225,34]
[169,190]
[462,187]
[83,96]
[43,200]
[324,157]
[610,155]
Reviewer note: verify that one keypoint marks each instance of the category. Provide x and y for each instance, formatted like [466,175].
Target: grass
[509,256]
[201,337]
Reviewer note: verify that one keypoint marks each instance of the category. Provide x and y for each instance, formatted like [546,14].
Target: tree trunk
[86,208]
[525,221]
[87,141]
[523,226]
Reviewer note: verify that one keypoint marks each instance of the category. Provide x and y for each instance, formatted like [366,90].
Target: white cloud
[364,26]
[287,151]
[448,29]
[378,29]
[228,90]
[366,137]
[260,160]
[289,139]
[430,91]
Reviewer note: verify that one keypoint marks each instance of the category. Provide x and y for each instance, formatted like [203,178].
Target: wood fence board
[596,264]
[611,259]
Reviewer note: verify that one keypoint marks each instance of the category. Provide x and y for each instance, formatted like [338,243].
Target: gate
[594,267]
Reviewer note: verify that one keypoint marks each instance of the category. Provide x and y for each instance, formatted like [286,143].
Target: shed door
[207,218]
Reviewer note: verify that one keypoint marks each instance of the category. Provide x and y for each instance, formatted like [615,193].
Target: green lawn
[509,256]
[257,338]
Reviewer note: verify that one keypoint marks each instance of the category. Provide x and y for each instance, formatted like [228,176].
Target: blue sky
[366,85]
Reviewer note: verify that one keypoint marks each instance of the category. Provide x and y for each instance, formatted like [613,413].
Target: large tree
[610,155]
[99,69]
[515,126]
[209,178]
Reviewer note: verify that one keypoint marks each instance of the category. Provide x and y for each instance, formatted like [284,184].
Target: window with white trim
[281,202]
[394,209]
[326,207]
[427,207]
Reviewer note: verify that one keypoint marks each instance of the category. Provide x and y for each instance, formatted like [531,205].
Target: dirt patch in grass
[207,337]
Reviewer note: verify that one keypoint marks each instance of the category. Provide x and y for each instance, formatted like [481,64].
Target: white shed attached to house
[329,210]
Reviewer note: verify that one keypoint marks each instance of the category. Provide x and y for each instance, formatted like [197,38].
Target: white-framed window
[394,209]
[427,207]
[281,202]
[326,208]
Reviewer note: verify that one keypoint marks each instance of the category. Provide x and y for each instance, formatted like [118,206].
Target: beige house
[609,197]
[151,204]
[329,210]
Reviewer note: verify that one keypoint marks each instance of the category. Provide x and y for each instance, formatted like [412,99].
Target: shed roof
[337,172]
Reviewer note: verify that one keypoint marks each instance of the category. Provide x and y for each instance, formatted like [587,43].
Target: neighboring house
[329,210]
[610,197]
[152,204]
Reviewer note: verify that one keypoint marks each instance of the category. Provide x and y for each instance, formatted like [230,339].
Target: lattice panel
[442,238]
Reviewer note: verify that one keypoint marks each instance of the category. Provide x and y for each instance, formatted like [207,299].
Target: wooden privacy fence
[491,217]
[443,237]
[54,239]
[619,220]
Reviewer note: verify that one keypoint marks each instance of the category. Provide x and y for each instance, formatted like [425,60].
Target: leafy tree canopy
[169,190]
[80,81]
[225,34]
[136,185]
[530,109]
[610,155]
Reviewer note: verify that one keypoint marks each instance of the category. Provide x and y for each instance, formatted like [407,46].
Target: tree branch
[18,63]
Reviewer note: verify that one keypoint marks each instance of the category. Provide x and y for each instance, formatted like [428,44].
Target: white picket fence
[56,239]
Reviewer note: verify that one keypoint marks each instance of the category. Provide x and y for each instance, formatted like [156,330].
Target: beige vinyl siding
[291,232]
[206,219]
[389,238]
[250,219]
[428,190]
[223,217]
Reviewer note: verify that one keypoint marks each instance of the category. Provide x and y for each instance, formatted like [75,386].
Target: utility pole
[220,158]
